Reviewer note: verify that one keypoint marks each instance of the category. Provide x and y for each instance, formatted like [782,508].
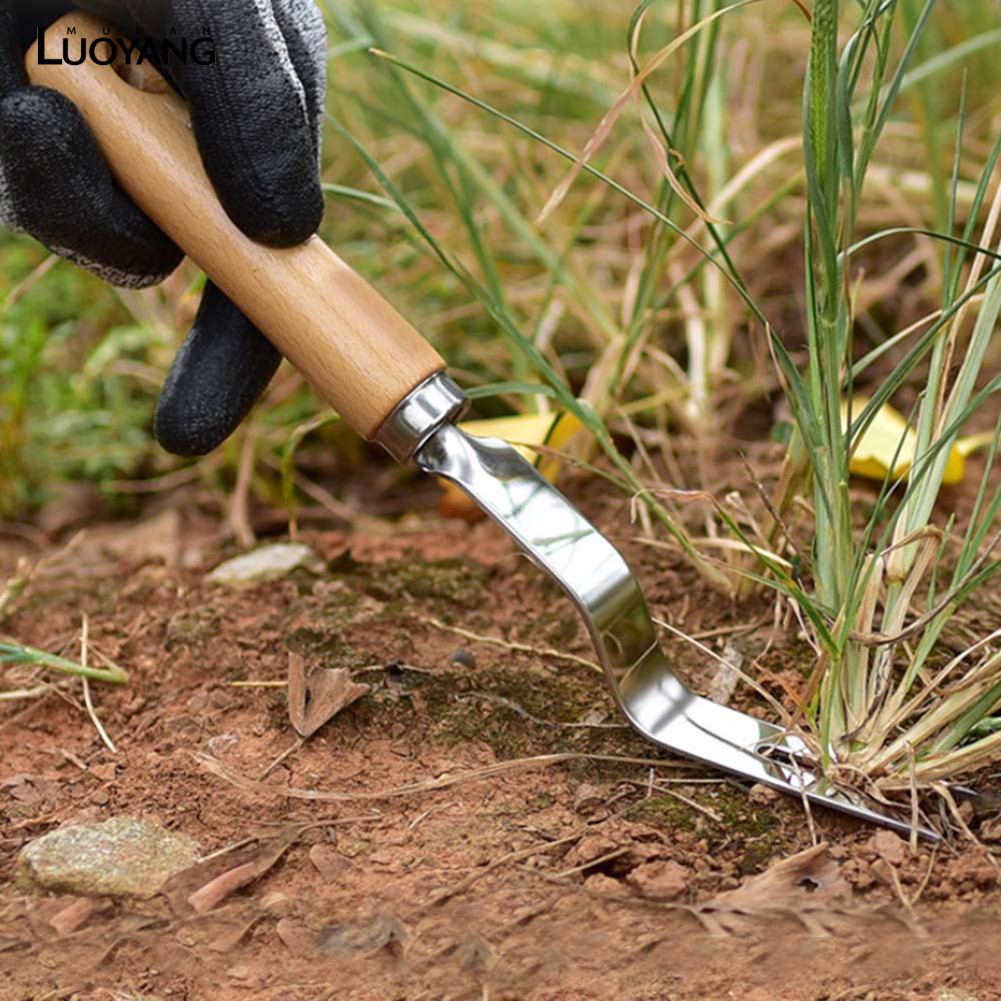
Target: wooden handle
[359,354]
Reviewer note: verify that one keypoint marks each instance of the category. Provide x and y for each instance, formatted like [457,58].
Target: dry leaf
[206,884]
[318,697]
[662,156]
[808,886]
[890,442]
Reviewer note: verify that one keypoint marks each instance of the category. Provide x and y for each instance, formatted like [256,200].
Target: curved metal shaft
[564,544]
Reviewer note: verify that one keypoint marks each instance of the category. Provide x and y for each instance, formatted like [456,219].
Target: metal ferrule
[435,402]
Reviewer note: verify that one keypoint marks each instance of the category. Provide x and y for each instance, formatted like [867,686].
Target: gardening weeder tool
[390,385]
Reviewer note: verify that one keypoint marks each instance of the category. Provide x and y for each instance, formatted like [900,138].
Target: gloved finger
[54,183]
[219,373]
[27,16]
[305,35]
[55,186]
[250,114]
[113,11]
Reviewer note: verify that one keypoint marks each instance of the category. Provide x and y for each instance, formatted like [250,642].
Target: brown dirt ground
[527,884]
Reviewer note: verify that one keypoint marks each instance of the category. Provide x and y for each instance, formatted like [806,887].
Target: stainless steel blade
[557,537]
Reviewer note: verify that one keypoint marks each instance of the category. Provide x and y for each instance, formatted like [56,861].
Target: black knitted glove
[257,115]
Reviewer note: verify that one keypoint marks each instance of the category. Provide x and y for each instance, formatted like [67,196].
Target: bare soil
[387,857]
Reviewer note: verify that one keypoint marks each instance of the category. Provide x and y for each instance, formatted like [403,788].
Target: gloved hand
[257,115]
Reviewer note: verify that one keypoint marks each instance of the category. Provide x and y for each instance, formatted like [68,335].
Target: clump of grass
[887,711]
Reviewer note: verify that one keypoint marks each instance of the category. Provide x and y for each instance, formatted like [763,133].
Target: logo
[108,49]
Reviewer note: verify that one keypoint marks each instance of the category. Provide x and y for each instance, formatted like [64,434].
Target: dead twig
[24,287]
[919,892]
[299,831]
[738,630]
[296,745]
[807,809]
[14,587]
[239,511]
[88,701]
[509,645]
[650,785]
[26,572]
[446,781]
[71,758]
[618,853]
[214,892]
[24,694]
[780,710]
[943,790]
[515,856]
[523,853]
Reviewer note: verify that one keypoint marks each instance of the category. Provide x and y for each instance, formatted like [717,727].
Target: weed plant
[887,711]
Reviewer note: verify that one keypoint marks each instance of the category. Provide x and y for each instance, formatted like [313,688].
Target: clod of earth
[990,830]
[660,880]
[889,846]
[328,862]
[122,857]
[588,798]
[266,564]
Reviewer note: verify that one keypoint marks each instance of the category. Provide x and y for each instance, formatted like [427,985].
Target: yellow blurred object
[523,432]
[881,445]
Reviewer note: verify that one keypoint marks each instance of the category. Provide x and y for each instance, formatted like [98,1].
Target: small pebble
[266,564]
[463,658]
[762,795]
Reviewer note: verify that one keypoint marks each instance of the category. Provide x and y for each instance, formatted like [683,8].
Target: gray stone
[266,564]
[122,857]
